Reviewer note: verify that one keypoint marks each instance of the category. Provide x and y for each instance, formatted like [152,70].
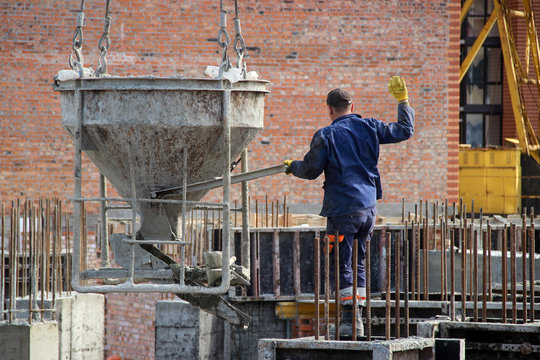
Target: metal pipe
[355,288]
[368,289]
[245,239]
[388,277]
[336,280]
[504,272]
[77,175]
[103,222]
[317,285]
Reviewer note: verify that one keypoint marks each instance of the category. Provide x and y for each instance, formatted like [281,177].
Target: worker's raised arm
[404,127]
[314,161]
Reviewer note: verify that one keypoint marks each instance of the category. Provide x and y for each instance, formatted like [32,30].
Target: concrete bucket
[135,130]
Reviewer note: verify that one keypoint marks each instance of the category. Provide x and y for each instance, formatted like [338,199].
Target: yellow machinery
[492,178]
[517,70]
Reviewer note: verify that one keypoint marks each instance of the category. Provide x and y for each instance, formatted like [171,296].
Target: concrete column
[184,331]
[29,342]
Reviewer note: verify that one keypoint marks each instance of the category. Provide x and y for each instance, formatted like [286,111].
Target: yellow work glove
[288,163]
[397,88]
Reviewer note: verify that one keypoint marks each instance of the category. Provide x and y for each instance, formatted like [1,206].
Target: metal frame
[129,285]
[517,73]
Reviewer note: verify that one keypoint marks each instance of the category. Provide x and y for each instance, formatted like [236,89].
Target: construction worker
[348,151]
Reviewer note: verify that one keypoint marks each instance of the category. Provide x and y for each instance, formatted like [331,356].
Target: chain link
[104,43]
[239,43]
[77,62]
[223,40]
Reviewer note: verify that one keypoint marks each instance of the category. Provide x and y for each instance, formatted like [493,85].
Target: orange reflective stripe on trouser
[350,298]
[332,240]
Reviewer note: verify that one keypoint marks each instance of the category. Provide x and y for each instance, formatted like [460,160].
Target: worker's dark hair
[339,100]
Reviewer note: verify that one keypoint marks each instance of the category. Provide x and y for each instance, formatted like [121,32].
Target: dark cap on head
[338,97]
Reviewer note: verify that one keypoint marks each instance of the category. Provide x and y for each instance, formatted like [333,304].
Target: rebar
[388,277]
[504,256]
[327,288]
[464,269]
[413,260]
[368,289]
[397,286]
[524,265]
[489,234]
[452,279]
[317,285]
[475,274]
[406,279]
[532,252]
[484,276]
[355,288]
[336,280]
[513,237]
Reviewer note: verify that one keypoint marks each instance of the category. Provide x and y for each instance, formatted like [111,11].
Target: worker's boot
[346,323]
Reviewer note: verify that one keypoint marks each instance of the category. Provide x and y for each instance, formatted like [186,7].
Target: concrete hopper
[135,130]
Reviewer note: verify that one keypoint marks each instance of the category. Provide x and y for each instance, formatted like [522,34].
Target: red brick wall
[305,48]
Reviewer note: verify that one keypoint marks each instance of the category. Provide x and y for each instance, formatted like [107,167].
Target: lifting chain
[104,43]
[239,43]
[77,62]
[223,40]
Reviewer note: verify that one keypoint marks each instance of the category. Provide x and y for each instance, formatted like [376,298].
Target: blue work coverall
[348,152]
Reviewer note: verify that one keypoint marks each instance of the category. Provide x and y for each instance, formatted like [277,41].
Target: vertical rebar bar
[418,260]
[327,288]
[442,253]
[513,271]
[368,288]
[452,279]
[475,274]
[489,234]
[266,210]
[285,215]
[397,286]
[317,285]
[406,278]
[413,257]
[355,288]
[257,213]
[524,265]
[54,239]
[532,252]
[484,276]
[425,261]
[388,283]
[463,230]
[504,257]
[336,280]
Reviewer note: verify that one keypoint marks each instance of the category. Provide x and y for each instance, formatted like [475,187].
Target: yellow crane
[517,70]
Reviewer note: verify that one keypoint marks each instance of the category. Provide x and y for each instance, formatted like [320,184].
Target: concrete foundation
[309,348]
[489,340]
[76,333]
[29,342]
[184,331]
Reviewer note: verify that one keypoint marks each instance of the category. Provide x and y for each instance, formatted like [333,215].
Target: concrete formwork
[309,348]
[489,340]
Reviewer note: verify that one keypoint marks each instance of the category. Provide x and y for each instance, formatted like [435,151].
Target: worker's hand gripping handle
[288,163]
